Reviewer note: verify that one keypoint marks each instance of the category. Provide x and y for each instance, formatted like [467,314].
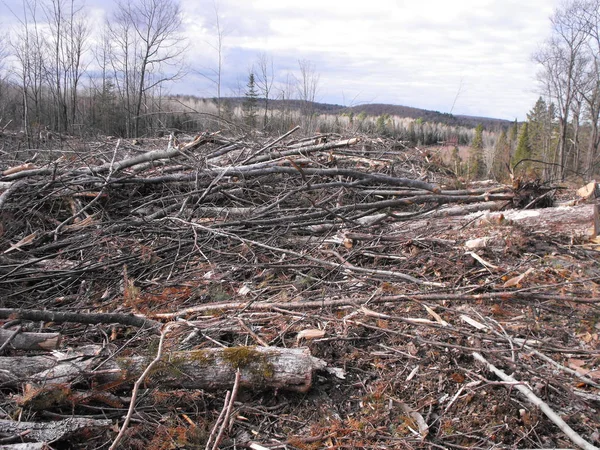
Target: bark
[29,446]
[51,431]
[576,221]
[209,369]
[90,318]
[29,341]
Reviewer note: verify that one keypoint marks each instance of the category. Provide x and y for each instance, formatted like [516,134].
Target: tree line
[60,75]
[560,137]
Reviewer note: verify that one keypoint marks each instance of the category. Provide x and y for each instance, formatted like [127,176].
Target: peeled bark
[50,431]
[209,369]
[30,341]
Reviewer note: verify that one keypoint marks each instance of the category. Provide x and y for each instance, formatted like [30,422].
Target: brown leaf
[517,280]
[310,334]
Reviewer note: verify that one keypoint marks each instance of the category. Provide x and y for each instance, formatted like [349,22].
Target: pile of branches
[242,243]
[72,225]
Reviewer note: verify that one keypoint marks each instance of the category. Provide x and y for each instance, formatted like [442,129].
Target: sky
[469,57]
[464,56]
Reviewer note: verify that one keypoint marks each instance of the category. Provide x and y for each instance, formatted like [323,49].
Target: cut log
[576,221]
[209,369]
[30,341]
[29,446]
[50,431]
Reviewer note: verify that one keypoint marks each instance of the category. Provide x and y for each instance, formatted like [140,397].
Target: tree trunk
[210,369]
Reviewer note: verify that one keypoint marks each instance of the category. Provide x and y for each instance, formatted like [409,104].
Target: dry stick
[581,377]
[266,306]
[96,198]
[270,144]
[138,383]
[571,434]
[227,418]
[10,339]
[309,258]
[218,422]
[89,318]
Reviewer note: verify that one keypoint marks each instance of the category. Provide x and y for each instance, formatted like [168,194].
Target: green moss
[201,357]
[241,357]
[249,359]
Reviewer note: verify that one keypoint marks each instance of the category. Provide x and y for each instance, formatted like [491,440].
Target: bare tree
[28,48]
[264,81]
[590,88]
[66,43]
[307,86]
[147,51]
[286,89]
[563,59]
[215,74]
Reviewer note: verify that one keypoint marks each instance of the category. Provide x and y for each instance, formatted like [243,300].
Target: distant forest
[58,76]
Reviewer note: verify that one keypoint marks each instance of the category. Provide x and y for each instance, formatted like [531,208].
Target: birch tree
[147,50]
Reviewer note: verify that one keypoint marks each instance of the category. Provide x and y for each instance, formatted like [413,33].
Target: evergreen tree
[536,123]
[501,157]
[476,167]
[250,102]
[523,151]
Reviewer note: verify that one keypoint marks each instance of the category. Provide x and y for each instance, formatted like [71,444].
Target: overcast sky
[421,53]
[463,56]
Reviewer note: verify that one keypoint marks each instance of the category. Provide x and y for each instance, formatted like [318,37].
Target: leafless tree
[66,43]
[27,45]
[147,51]
[287,90]
[563,60]
[307,86]
[590,89]
[215,74]
[264,81]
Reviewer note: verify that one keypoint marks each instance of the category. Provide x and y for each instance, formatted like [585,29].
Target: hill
[378,109]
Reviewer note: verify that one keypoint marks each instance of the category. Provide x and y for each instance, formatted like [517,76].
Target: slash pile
[362,266]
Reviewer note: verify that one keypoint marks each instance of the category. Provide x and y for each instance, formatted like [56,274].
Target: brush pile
[349,292]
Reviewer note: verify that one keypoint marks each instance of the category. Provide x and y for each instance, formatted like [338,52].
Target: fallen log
[89,318]
[28,446]
[29,341]
[51,431]
[576,221]
[209,369]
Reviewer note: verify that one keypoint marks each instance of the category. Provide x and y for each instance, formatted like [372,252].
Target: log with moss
[207,369]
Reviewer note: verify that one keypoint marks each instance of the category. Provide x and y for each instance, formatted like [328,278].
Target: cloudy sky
[421,53]
[463,56]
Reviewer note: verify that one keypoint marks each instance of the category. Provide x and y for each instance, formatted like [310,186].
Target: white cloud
[417,53]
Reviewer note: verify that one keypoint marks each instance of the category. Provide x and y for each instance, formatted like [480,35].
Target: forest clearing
[325,292]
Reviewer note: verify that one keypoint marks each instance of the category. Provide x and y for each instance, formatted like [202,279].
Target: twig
[560,423]
[270,144]
[138,383]
[227,417]
[218,422]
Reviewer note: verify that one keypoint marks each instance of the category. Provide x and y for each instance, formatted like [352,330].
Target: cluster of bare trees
[570,76]
[66,74]
[63,74]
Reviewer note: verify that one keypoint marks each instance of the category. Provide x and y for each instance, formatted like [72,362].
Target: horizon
[470,59]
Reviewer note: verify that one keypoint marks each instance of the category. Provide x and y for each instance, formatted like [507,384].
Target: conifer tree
[250,102]
[476,167]
[536,122]
[523,152]
[501,157]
